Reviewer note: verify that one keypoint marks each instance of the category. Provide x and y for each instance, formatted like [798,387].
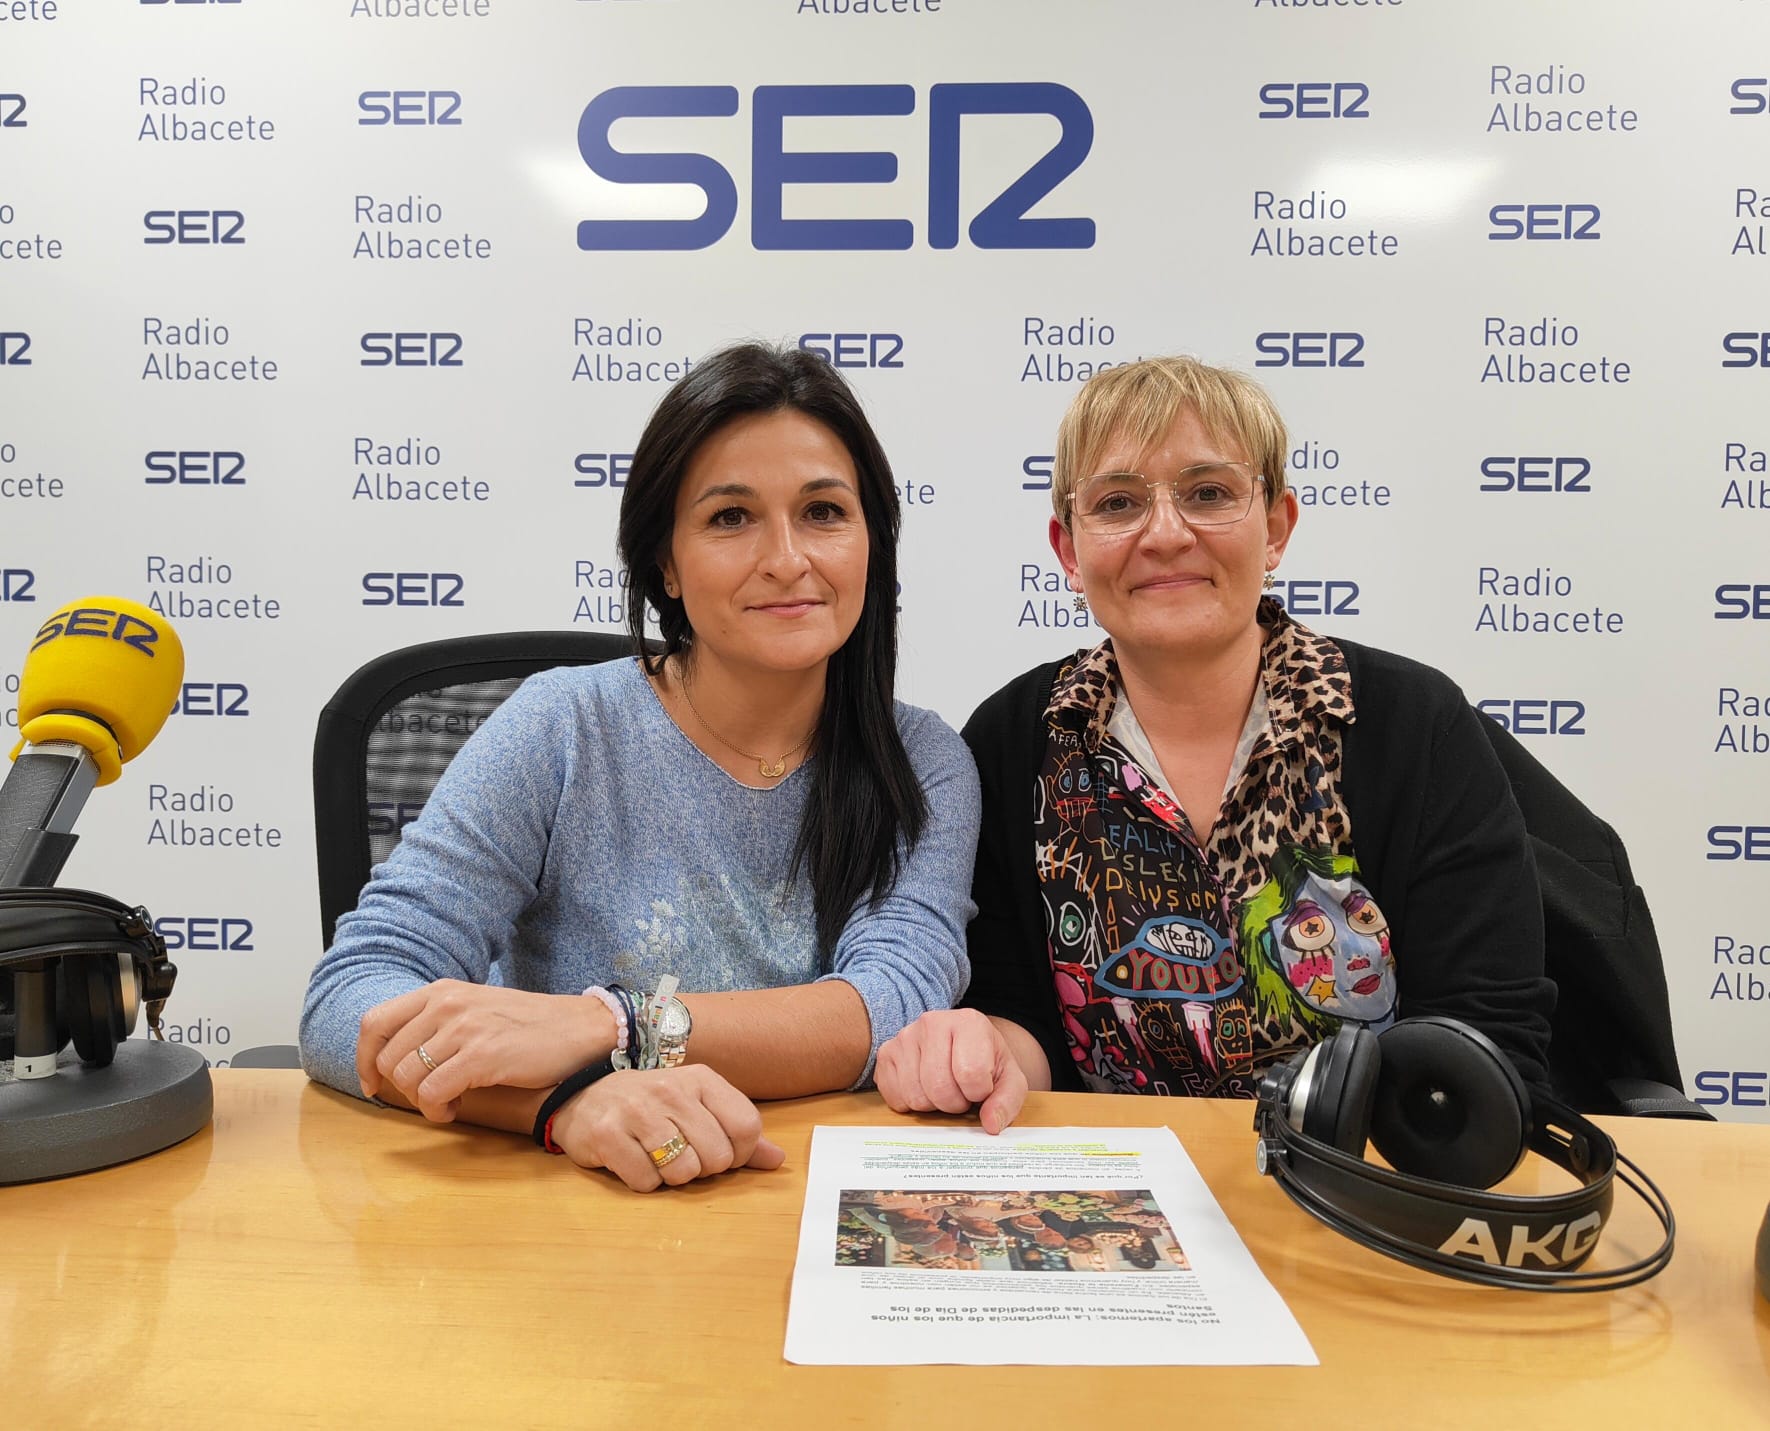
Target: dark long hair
[864,793]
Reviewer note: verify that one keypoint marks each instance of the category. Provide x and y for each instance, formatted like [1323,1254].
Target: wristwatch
[673,1024]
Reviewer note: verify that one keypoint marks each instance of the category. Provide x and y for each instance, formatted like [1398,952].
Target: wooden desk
[311,1261]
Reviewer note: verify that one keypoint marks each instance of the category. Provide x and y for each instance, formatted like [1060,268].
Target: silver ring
[425,1058]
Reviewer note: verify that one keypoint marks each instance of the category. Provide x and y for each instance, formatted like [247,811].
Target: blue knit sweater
[580,838]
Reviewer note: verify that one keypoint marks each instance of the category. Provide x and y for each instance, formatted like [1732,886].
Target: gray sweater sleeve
[445,903]
[906,955]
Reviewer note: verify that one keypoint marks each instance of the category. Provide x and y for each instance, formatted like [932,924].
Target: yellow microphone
[102,675]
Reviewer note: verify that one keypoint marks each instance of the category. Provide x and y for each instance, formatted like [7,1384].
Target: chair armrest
[1643,1098]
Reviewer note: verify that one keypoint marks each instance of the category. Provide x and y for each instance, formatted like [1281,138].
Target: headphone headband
[1506,1230]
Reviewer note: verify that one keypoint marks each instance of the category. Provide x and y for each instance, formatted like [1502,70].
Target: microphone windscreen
[103,672]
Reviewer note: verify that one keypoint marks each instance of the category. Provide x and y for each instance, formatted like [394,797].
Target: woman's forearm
[783,1043]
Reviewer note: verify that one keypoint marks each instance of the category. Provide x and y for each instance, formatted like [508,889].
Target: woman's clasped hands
[652,1127]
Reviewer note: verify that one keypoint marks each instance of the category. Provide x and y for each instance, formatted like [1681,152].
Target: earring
[1270,582]
[670,589]
[1079,601]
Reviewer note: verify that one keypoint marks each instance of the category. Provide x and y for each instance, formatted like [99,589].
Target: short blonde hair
[1138,402]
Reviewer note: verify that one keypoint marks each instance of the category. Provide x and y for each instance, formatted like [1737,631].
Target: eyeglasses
[1212,494]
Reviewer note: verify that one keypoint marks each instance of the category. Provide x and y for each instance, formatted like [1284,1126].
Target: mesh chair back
[410,746]
[386,737]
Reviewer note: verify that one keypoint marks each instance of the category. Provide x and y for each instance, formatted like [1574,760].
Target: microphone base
[152,1096]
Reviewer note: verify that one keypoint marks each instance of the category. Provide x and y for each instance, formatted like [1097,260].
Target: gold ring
[425,1058]
[670,1152]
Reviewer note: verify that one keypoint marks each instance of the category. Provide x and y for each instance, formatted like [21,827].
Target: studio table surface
[309,1260]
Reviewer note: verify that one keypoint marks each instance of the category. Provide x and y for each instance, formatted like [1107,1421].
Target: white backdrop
[1396,214]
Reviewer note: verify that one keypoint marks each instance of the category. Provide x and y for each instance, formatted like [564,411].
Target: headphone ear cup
[1338,1107]
[1449,1105]
[89,999]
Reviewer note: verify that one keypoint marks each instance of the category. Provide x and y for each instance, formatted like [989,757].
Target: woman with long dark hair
[743,809]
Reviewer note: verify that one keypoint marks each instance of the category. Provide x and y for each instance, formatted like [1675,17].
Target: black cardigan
[1441,846]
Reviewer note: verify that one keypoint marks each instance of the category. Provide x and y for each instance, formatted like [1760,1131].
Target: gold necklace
[768,769]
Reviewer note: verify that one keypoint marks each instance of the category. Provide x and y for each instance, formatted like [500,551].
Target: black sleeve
[1454,872]
[1010,966]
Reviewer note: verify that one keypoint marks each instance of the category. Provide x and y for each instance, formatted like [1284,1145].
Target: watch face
[674,1024]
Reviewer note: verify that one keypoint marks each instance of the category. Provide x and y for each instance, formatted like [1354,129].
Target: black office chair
[1610,1041]
[393,727]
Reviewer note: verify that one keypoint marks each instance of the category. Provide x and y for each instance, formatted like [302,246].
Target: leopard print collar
[1305,674]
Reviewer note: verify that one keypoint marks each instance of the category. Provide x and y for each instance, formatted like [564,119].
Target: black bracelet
[563,1094]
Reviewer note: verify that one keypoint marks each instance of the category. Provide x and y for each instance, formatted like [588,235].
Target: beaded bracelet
[627,1054]
[616,1010]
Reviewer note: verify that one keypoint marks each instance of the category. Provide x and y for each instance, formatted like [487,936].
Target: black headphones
[1451,1116]
[108,964]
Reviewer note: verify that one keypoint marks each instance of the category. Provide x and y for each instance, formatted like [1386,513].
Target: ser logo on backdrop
[15,349]
[1309,350]
[205,931]
[602,469]
[12,112]
[1743,1088]
[1750,96]
[212,698]
[412,350]
[195,468]
[17,583]
[1746,350]
[1739,842]
[1535,474]
[406,107]
[1315,99]
[194,226]
[1552,222]
[1536,715]
[414,588]
[1742,601]
[1315,597]
[855,350]
[1001,224]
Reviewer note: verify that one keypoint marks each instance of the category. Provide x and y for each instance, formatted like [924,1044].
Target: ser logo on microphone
[97,621]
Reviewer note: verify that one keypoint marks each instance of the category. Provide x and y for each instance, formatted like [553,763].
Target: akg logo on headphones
[1475,1238]
[1002,223]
